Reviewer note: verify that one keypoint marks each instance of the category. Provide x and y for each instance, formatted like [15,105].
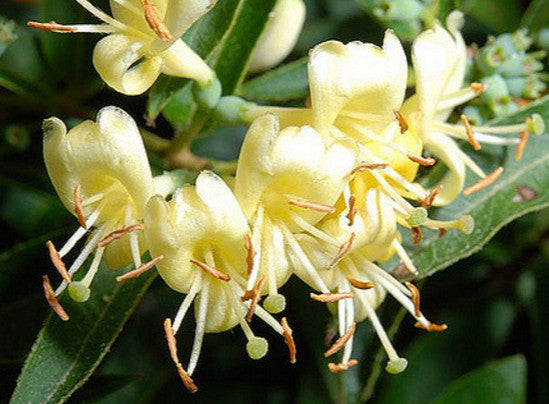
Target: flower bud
[207,96]
[401,10]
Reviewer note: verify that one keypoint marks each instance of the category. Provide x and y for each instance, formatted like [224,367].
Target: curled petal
[181,61]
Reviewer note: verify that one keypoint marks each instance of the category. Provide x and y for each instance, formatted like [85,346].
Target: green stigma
[79,292]
[274,303]
[396,366]
[257,347]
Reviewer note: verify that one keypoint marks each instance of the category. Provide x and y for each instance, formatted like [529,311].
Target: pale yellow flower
[143,42]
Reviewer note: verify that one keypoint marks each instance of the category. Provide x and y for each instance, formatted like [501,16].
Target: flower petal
[181,61]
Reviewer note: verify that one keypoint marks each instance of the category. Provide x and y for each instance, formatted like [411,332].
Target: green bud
[496,89]
[490,58]
[257,347]
[473,114]
[79,292]
[543,38]
[396,366]
[274,303]
[400,10]
[229,109]
[208,95]
[417,217]
[521,39]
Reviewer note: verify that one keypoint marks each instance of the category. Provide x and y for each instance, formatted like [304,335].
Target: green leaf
[493,207]
[536,16]
[288,82]
[502,382]
[498,15]
[66,353]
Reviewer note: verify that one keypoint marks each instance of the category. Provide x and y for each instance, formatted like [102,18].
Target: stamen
[251,253]
[415,297]
[140,270]
[58,262]
[484,182]
[403,255]
[416,234]
[211,270]
[461,96]
[172,345]
[341,367]
[424,161]
[469,131]
[315,231]
[368,166]
[465,224]
[431,327]
[78,207]
[427,202]
[200,326]
[359,284]
[380,273]
[352,210]
[478,88]
[331,297]
[287,334]
[522,144]
[319,207]
[51,26]
[401,121]
[343,250]
[154,21]
[255,296]
[115,235]
[79,233]
[341,341]
[52,301]
[182,311]
[257,242]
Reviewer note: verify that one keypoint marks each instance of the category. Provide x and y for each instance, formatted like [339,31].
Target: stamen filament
[403,255]
[382,335]
[195,287]
[315,231]
[257,234]
[461,96]
[200,326]
[78,234]
[87,280]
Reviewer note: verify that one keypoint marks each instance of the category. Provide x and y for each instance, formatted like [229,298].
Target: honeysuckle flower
[201,234]
[279,35]
[286,181]
[143,41]
[439,59]
[101,173]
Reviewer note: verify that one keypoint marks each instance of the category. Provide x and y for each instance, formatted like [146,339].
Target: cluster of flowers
[319,192]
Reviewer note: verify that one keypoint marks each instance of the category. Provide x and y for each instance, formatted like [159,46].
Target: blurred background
[496,302]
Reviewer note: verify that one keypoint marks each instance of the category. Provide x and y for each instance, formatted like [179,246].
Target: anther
[51,26]
[359,284]
[154,21]
[431,327]
[343,250]
[58,262]
[424,161]
[341,367]
[319,207]
[484,182]
[255,296]
[78,207]
[442,232]
[478,88]
[52,301]
[470,134]
[115,235]
[172,346]
[211,270]
[287,334]
[352,210]
[331,297]
[368,166]
[139,271]
[251,253]
[416,234]
[429,199]
[521,145]
[341,341]
[415,297]
[401,121]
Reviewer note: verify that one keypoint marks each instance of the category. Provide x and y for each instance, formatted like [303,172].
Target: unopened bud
[207,96]
[229,109]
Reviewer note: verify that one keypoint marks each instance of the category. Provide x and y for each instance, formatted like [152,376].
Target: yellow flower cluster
[319,192]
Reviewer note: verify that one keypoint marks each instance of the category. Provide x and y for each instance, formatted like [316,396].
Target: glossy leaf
[536,16]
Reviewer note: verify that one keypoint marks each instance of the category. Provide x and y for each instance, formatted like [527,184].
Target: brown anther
[356,283]
[478,88]
[415,297]
[255,296]
[341,367]
[154,21]
[401,121]
[319,207]
[442,232]
[115,235]
[484,182]
[343,250]
[251,253]
[331,297]
[429,199]
[368,166]
[352,210]
[52,300]
[522,145]
[211,270]
[341,341]
[416,234]
[51,26]
[521,102]
[58,262]
[424,161]
[287,334]
[139,271]
[431,327]
[78,207]
[469,131]
[172,345]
